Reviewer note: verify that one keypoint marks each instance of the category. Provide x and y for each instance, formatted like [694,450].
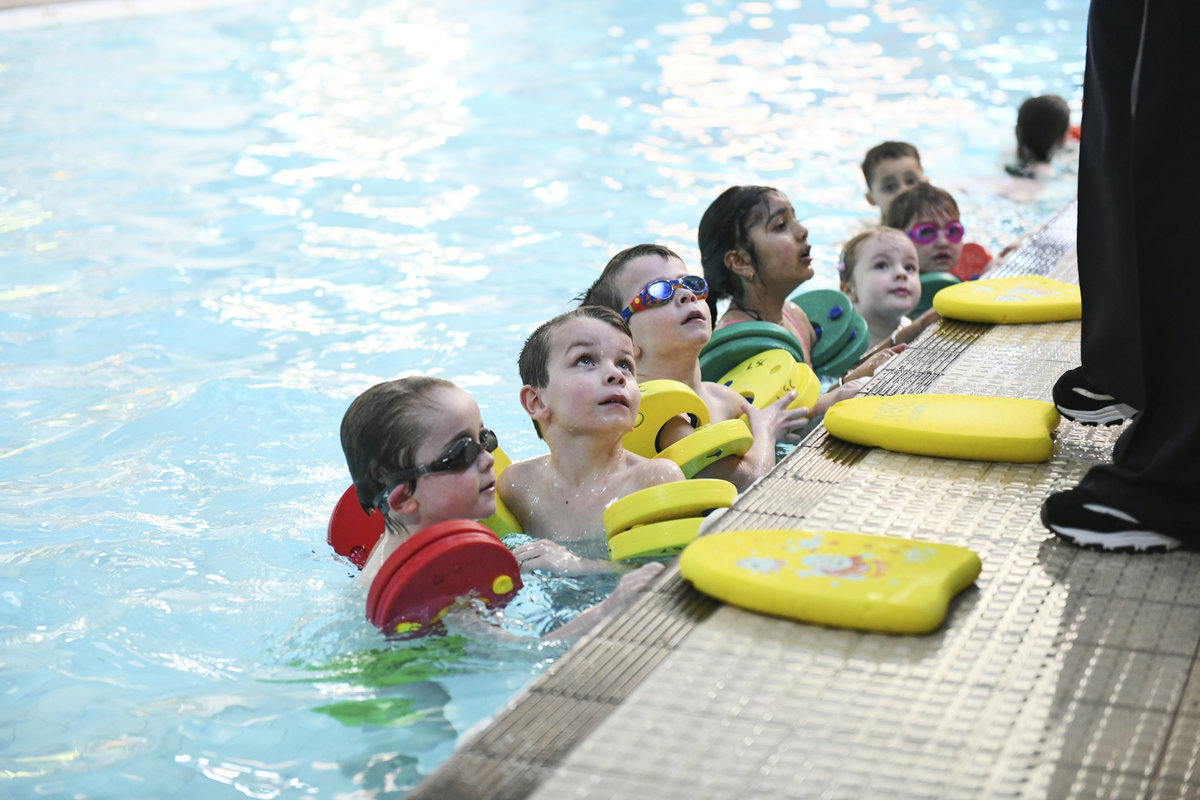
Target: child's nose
[616,375]
[485,460]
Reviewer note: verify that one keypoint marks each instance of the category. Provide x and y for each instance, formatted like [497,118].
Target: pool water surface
[218,226]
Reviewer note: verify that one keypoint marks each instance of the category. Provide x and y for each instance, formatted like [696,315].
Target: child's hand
[629,588]
[555,559]
[874,361]
[631,584]
[777,422]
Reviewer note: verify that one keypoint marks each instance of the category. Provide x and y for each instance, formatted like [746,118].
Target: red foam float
[435,567]
[353,533]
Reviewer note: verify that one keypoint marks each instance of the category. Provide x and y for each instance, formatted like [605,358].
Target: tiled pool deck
[1062,673]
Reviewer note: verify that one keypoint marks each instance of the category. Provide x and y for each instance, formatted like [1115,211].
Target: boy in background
[889,168]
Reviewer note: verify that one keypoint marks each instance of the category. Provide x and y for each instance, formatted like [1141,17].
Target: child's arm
[625,593]
[768,425]
[552,557]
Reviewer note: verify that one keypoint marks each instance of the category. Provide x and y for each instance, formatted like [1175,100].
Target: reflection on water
[218,227]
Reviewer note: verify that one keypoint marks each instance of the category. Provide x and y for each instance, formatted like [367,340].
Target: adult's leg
[1155,474]
[1111,346]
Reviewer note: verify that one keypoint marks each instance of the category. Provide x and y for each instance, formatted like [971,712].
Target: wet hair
[1041,123]
[854,247]
[726,226]
[533,363]
[886,151]
[382,430]
[918,201]
[604,291]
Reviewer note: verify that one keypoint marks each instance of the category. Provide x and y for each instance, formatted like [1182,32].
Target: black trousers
[1139,248]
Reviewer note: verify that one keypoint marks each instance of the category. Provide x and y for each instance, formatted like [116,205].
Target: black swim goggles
[461,454]
[661,291]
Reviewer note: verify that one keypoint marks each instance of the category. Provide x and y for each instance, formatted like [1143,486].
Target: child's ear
[738,262]
[401,500]
[534,405]
[848,290]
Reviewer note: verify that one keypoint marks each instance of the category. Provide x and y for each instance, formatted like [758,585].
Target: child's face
[891,177]
[592,380]
[781,244]
[941,254]
[684,317]
[884,282]
[454,494]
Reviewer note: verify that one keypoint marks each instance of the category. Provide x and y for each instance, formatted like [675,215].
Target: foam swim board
[656,540]
[732,344]
[852,580]
[767,376]
[851,351]
[950,426]
[971,262]
[503,522]
[931,284]
[435,567]
[675,500]
[832,316]
[352,532]
[661,401]
[1018,299]
[709,443]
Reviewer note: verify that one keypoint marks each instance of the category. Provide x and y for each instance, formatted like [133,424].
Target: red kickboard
[436,567]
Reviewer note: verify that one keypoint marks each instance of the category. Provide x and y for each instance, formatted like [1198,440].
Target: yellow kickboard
[948,426]
[1024,298]
[848,580]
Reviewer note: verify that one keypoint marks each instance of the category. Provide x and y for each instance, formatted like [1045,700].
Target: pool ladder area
[1061,673]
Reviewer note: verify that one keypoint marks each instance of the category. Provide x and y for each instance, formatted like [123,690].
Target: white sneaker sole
[1109,415]
[1125,541]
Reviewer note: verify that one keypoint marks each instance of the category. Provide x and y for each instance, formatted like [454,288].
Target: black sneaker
[1078,399]
[1082,519]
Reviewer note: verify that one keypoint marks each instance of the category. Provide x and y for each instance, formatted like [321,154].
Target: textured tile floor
[1061,673]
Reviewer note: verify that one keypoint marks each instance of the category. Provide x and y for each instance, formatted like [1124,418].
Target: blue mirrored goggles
[661,291]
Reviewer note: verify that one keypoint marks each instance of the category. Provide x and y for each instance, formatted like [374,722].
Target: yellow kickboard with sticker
[1023,298]
[948,426]
[848,580]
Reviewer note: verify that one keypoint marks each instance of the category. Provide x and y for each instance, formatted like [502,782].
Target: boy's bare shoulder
[647,472]
[521,477]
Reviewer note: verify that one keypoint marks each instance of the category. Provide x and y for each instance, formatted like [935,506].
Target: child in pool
[879,274]
[756,253]
[668,336]
[1043,124]
[889,168]
[930,217]
[417,450]
[581,393]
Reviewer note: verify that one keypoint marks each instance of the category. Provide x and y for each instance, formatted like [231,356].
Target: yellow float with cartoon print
[851,580]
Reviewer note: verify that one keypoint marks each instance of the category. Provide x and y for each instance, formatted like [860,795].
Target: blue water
[217,227]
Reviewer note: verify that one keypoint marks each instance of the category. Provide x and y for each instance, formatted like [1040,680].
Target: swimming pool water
[217,227]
